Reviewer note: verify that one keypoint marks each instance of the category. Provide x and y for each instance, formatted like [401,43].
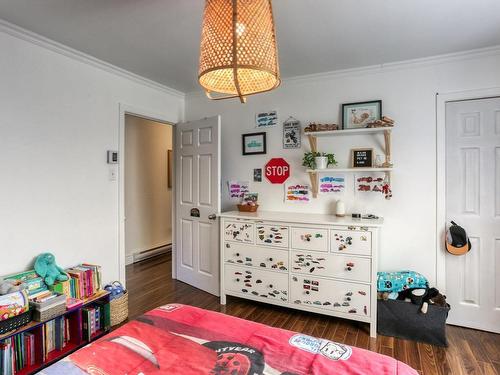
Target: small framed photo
[362,158]
[254,143]
[359,115]
[257,175]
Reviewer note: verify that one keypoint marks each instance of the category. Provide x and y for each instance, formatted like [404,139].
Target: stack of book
[55,335]
[17,353]
[95,319]
[33,282]
[85,281]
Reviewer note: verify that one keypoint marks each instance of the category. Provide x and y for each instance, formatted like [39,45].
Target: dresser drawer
[328,265]
[258,283]
[351,242]
[256,256]
[239,231]
[304,238]
[272,235]
[332,295]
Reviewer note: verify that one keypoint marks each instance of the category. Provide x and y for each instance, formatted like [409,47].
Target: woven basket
[16,322]
[247,208]
[119,309]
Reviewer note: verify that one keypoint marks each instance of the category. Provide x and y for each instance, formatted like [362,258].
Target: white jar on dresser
[312,262]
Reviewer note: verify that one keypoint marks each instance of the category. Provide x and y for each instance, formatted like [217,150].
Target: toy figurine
[46,267]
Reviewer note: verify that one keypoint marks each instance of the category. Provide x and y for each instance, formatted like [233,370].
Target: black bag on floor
[404,320]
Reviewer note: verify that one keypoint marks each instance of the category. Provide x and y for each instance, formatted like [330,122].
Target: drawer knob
[306,292]
[228,246]
[237,280]
[270,285]
[270,259]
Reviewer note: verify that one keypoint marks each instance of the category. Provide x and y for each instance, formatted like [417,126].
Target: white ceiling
[159,39]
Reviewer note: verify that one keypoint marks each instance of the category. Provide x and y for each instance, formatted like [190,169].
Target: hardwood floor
[150,285]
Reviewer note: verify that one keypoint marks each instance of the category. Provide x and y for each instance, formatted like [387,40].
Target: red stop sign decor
[277,170]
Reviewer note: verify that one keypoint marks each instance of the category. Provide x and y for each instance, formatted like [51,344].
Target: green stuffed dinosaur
[46,267]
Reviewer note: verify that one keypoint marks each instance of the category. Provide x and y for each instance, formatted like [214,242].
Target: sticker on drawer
[238,232]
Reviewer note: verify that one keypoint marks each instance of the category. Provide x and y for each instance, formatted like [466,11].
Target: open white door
[473,202]
[197,149]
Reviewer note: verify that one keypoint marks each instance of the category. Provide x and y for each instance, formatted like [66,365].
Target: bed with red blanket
[180,339]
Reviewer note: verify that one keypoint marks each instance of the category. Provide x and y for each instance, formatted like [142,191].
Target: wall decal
[369,182]
[266,119]
[238,189]
[332,184]
[297,193]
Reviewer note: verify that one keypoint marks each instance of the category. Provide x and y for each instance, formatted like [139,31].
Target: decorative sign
[362,158]
[369,182]
[254,143]
[195,212]
[291,133]
[277,170]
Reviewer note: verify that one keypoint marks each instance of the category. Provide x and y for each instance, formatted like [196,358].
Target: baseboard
[138,256]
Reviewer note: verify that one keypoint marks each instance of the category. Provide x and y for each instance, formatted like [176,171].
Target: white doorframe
[124,110]
[441,100]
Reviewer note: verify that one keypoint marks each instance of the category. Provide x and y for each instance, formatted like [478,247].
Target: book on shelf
[84,281]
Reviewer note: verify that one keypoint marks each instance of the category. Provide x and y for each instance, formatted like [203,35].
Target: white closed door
[197,148]
[473,202]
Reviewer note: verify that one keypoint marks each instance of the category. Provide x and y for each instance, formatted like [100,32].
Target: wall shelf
[347,170]
[333,133]
[313,142]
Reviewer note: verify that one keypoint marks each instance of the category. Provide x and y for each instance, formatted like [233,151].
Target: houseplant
[318,160]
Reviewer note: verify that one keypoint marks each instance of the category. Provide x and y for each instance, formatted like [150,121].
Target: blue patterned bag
[399,281]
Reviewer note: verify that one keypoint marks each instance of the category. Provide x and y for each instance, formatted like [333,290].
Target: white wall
[408,92]
[148,199]
[59,115]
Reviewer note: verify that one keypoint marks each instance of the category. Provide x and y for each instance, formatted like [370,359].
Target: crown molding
[39,40]
[386,67]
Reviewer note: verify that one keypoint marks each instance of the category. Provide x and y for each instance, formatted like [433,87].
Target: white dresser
[317,263]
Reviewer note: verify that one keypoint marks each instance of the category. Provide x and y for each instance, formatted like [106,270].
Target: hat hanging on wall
[457,242]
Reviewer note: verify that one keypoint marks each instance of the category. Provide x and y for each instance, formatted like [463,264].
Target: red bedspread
[179,339]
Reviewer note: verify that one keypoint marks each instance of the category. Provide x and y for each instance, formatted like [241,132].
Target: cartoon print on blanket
[178,339]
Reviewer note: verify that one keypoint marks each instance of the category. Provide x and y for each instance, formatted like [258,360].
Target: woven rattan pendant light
[238,54]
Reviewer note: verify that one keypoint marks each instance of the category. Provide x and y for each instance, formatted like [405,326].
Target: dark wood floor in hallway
[150,285]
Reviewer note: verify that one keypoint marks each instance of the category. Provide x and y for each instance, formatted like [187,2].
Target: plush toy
[46,267]
[11,286]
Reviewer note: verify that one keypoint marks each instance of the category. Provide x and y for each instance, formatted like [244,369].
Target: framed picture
[291,133]
[266,119]
[170,163]
[254,143]
[359,115]
[362,157]
[257,175]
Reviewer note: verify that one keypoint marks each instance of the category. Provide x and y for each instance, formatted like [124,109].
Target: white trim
[39,40]
[125,109]
[386,67]
[441,100]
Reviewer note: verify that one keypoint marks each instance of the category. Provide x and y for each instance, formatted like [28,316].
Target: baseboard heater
[152,252]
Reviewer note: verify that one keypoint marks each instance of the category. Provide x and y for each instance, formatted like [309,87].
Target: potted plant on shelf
[318,160]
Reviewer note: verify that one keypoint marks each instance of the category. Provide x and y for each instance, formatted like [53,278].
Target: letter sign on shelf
[277,170]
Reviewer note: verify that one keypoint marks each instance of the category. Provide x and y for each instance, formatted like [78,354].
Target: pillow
[399,281]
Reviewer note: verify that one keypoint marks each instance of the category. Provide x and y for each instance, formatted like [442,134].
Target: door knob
[212,217]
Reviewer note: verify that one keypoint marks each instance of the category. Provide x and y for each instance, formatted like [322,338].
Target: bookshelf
[75,327]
